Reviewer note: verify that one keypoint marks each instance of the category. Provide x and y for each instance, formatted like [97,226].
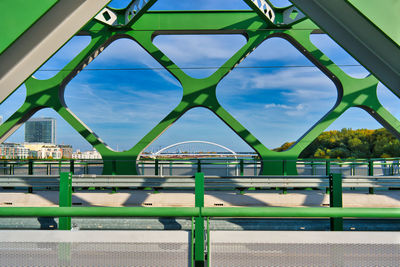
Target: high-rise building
[40,130]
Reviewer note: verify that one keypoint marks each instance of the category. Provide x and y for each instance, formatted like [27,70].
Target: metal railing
[209,166]
[199,213]
[210,182]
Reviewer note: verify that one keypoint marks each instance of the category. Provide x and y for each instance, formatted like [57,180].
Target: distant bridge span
[191,142]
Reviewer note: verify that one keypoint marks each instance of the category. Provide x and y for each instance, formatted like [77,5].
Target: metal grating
[94,248]
[262,248]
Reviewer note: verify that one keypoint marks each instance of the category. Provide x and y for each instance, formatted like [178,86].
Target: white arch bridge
[196,148]
[185,158]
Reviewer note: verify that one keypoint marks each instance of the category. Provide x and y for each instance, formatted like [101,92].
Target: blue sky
[275,104]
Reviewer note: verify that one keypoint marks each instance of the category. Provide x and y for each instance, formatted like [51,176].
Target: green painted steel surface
[199,220]
[65,198]
[383,14]
[335,199]
[352,92]
[361,28]
[19,15]
[99,212]
[195,212]
[301,212]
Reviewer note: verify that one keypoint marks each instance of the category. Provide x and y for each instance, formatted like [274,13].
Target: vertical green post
[5,166]
[30,167]
[198,165]
[241,163]
[72,166]
[327,167]
[199,221]
[192,244]
[312,168]
[371,173]
[114,172]
[65,199]
[392,169]
[30,172]
[284,167]
[114,167]
[59,166]
[335,197]
[208,243]
[156,167]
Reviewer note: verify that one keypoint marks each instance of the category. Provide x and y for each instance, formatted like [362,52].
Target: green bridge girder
[352,92]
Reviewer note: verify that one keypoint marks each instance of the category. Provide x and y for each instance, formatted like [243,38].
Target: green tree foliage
[348,143]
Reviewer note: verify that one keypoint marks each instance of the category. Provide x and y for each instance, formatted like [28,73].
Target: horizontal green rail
[301,212]
[98,212]
[195,212]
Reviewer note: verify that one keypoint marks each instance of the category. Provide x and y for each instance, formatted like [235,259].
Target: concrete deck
[300,198]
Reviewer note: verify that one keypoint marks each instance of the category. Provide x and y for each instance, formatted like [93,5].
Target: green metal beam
[301,212]
[255,27]
[65,198]
[195,212]
[98,212]
[366,29]
[33,39]
[20,15]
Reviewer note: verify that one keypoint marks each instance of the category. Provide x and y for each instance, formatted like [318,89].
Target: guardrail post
[312,168]
[114,167]
[199,221]
[391,168]
[241,163]
[327,167]
[30,172]
[72,166]
[30,167]
[86,168]
[5,166]
[371,173]
[65,199]
[156,167]
[335,199]
[198,165]
[284,167]
[114,172]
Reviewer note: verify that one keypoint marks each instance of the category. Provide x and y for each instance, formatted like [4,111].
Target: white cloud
[273,105]
[296,110]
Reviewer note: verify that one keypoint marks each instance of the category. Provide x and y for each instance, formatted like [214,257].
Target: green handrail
[99,212]
[195,212]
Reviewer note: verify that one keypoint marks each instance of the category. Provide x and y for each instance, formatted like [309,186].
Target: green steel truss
[257,26]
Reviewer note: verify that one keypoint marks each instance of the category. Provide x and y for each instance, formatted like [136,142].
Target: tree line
[348,143]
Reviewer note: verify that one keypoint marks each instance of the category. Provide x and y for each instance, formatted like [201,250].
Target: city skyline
[275,100]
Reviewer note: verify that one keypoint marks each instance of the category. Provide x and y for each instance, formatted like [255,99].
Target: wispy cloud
[297,110]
